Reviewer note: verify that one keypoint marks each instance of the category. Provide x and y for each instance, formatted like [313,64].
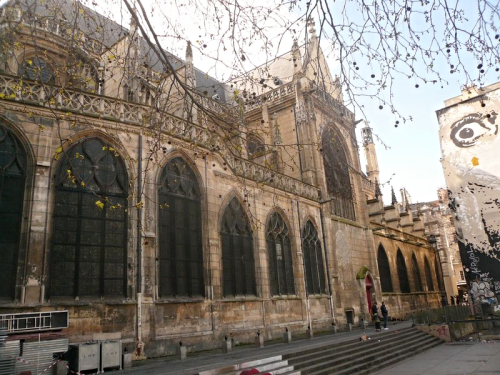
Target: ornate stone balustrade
[270,96]
[336,104]
[62,100]
[368,185]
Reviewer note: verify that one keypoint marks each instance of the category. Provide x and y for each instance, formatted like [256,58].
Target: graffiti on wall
[470,145]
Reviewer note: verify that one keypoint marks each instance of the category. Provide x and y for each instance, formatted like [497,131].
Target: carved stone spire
[394,200]
[297,58]
[312,30]
[189,52]
[378,192]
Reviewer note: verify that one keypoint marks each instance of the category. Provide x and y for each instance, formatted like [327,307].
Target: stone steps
[341,358]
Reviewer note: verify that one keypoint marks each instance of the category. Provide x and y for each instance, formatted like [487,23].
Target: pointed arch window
[338,181]
[181,248]
[384,270]
[416,274]
[89,244]
[439,277]
[280,256]
[37,69]
[313,258]
[238,267]
[428,275]
[255,145]
[404,283]
[12,184]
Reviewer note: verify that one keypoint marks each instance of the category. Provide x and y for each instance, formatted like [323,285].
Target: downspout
[308,310]
[326,255]
[139,249]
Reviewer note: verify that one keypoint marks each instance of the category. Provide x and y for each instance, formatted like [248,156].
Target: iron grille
[338,181]
[237,252]
[280,256]
[34,321]
[428,275]
[90,222]
[404,284]
[384,270]
[313,258]
[416,274]
[181,249]
[12,182]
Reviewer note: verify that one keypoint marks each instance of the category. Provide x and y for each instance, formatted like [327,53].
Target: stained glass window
[37,69]
[181,249]
[338,182]
[428,275]
[237,252]
[416,274]
[12,182]
[280,256]
[404,284]
[384,270]
[313,258]
[90,222]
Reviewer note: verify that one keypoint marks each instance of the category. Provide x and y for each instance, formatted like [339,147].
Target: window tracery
[237,252]
[181,249]
[280,256]
[13,160]
[89,244]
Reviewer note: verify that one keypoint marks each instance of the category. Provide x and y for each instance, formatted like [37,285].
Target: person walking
[376,317]
[385,314]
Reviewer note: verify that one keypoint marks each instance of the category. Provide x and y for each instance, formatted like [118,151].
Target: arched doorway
[369,291]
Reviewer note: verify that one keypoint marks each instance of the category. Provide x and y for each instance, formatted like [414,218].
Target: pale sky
[412,160]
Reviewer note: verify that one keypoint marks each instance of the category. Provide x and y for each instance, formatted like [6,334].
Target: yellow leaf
[475,161]
[82,183]
[99,204]
[2,96]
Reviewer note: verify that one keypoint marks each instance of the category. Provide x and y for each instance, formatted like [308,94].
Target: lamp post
[433,243]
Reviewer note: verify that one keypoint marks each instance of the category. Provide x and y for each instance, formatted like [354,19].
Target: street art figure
[470,146]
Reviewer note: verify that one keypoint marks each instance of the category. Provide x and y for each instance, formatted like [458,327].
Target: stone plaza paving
[457,358]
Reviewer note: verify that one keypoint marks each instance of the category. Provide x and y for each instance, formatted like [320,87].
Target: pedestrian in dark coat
[385,314]
[375,316]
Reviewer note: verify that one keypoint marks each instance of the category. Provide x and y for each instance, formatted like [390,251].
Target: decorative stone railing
[368,185]
[270,96]
[336,104]
[76,102]
[52,25]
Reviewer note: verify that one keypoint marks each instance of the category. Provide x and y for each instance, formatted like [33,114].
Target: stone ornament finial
[310,23]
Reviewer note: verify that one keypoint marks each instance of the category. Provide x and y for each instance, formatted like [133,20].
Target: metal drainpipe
[326,255]
[304,265]
[139,248]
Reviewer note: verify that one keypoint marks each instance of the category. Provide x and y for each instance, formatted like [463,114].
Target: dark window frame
[88,241]
[13,174]
[238,264]
[313,260]
[428,275]
[384,270]
[417,277]
[404,282]
[281,278]
[337,175]
[181,272]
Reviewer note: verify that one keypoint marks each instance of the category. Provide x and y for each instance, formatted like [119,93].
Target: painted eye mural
[468,130]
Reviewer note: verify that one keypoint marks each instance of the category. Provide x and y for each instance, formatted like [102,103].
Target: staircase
[342,358]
